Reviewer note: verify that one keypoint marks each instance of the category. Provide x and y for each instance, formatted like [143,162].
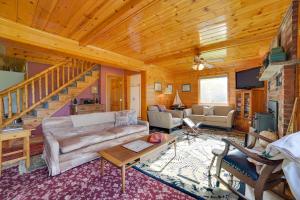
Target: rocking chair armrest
[256,135]
[251,154]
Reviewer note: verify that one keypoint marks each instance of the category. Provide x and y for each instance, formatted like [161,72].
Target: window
[213,90]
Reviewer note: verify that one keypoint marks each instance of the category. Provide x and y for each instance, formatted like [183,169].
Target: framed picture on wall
[186,87]
[170,88]
[157,87]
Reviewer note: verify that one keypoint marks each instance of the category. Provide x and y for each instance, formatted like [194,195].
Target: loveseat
[219,116]
[73,140]
[161,117]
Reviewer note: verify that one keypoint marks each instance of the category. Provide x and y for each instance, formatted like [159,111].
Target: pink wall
[35,68]
[107,70]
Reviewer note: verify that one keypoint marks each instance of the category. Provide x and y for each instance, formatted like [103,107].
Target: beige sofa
[167,119]
[222,116]
[73,140]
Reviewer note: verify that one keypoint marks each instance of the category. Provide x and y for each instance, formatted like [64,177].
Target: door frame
[107,74]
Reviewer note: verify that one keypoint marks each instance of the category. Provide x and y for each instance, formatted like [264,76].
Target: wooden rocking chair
[236,163]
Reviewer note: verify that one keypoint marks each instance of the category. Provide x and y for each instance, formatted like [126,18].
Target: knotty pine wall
[156,74]
[177,79]
[190,98]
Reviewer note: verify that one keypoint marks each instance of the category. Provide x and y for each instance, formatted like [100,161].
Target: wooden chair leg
[209,171]
[218,170]
[258,193]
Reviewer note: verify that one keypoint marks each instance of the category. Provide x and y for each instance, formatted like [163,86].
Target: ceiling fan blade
[209,65]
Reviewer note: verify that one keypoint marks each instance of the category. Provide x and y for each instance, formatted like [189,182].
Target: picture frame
[157,87]
[186,87]
[170,88]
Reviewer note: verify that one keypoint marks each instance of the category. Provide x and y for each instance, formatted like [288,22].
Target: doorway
[135,93]
[114,92]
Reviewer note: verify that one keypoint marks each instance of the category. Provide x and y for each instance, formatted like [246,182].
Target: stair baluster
[18,101]
[46,84]
[1,110]
[32,93]
[57,78]
[40,88]
[52,80]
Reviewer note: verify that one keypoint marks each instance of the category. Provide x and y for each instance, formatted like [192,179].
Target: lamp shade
[94,90]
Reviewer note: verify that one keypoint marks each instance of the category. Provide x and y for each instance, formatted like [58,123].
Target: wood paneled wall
[156,74]
[190,98]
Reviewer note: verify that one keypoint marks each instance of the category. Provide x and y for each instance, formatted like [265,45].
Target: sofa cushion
[197,109]
[208,110]
[132,117]
[92,118]
[215,118]
[238,160]
[162,108]
[62,133]
[127,130]
[50,123]
[153,108]
[222,110]
[196,118]
[79,141]
[121,118]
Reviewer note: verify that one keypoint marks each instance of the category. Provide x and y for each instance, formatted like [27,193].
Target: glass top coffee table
[124,158]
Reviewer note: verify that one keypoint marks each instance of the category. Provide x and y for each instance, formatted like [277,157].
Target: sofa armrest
[144,123]
[51,154]
[230,117]
[176,113]
[160,119]
[187,112]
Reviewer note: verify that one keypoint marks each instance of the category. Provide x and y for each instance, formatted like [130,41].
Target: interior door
[135,93]
[135,102]
[116,94]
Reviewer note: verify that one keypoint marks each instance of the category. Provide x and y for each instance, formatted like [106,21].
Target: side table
[12,135]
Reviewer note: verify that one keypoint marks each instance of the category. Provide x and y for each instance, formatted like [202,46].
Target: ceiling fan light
[195,67]
[201,66]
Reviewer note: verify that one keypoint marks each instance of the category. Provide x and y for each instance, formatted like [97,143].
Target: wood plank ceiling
[167,33]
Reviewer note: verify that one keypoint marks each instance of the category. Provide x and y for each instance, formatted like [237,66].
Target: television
[248,79]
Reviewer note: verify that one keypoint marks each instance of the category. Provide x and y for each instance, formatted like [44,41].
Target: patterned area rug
[84,182]
[188,171]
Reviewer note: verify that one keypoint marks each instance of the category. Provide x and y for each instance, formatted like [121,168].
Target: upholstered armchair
[237,164]
[159,116]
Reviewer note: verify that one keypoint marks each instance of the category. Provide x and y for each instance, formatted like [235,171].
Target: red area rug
[84,182]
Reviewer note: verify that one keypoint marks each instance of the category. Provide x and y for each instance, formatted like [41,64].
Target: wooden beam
[19,33]
[133,7]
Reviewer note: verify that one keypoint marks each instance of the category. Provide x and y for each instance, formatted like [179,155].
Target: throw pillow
[162,108]
[267,134]
[208,111]
[132,117]
[121,118]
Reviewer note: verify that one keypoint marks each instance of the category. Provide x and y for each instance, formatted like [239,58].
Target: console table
[77,109]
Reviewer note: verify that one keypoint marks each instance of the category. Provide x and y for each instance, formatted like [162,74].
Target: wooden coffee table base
[125,164]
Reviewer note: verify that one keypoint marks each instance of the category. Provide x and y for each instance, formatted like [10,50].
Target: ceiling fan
[200,63]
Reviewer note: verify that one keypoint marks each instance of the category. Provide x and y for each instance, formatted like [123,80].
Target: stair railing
[21,98]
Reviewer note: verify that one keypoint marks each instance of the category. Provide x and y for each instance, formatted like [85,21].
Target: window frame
[209,77]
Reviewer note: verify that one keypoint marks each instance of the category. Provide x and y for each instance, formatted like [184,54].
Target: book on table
[137,145]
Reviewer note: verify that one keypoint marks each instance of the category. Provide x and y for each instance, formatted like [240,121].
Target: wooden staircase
[45,93]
